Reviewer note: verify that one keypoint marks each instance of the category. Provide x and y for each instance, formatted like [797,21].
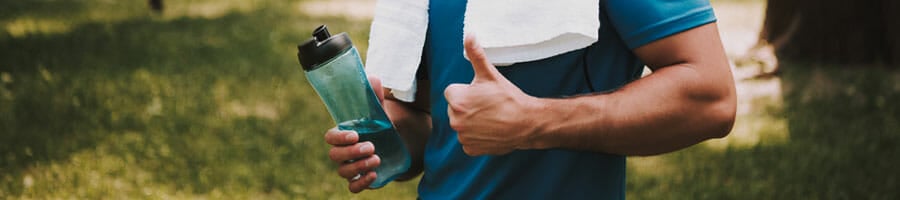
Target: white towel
[513,31]
[510,31]
[396,39]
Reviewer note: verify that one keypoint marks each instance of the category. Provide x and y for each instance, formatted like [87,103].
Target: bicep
[699,47]
[693,59]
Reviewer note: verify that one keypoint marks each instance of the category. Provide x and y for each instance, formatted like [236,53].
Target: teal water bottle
[334,69]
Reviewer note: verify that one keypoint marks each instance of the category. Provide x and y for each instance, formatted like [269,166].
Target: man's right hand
[356,160]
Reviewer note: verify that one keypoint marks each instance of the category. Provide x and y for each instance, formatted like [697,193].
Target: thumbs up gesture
[490,114]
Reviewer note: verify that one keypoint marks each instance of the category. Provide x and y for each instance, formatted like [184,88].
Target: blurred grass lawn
[105,100]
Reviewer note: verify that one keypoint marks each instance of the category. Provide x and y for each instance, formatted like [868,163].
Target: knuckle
[449,90]
[454,92]
[341,154]
[342,172]
[334,154]
[457,125]
[375,161]
[468,151]
[334,136]
[458,104]
[462,140]
[347,171]
[361,165]
[358,185]
[354,189]
[329,137]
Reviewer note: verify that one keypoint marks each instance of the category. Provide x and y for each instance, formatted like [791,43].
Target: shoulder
[639,22]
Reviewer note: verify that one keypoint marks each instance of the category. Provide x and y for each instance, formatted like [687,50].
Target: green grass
[105,100]
[146,106]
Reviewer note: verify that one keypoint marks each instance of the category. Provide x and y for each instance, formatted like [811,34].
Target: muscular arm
[689,97]
[413,122]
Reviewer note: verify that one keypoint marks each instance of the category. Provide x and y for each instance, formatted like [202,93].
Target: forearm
[413,123]
[675,107]
[690,97]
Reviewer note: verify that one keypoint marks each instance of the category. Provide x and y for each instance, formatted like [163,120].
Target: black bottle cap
[321,48]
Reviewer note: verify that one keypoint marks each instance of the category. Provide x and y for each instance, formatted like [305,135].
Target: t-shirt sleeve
[639,22]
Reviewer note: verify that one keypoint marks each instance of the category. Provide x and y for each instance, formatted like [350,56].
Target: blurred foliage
[178,105]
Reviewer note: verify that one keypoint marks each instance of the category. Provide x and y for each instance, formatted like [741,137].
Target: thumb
[484,70]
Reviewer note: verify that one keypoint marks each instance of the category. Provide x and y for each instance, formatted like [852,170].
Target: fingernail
[349,137]
[366,147]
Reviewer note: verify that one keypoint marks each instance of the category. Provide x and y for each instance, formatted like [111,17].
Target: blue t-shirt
[553,173]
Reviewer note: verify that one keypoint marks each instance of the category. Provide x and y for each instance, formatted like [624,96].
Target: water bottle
[335,71]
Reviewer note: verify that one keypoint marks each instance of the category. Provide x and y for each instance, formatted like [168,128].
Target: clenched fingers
[350,170]
[341,138]
[340,154]
[362,183]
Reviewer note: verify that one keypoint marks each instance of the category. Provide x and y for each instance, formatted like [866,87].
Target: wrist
[555,123]
[537,124]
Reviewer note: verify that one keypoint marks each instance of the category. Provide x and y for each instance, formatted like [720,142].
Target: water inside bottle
[388,146]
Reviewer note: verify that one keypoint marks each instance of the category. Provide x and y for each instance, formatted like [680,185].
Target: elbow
[717,103]
[721,116]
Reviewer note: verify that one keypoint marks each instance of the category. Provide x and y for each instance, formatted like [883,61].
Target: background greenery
[107,100]
[834,135]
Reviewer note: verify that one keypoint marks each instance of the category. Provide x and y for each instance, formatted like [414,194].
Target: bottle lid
[321,48]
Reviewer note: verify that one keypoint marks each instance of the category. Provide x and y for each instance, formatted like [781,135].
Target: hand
[490,115]
[356,160]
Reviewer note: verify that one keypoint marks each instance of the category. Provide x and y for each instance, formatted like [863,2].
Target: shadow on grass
[169,108]
[843,138]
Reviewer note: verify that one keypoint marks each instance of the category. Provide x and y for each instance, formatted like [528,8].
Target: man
[557,128]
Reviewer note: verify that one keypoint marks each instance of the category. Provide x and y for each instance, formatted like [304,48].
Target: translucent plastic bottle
[334,69]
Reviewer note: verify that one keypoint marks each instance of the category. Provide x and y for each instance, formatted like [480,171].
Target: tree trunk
[156,5]
[891,19]
[851,33]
